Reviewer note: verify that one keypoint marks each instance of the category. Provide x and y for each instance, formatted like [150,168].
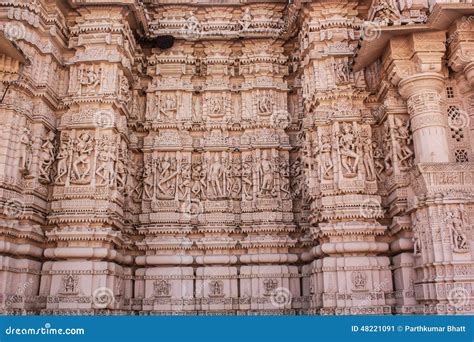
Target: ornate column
[439,198]
[30,98]
[428,122]
[350,274]
[86,269]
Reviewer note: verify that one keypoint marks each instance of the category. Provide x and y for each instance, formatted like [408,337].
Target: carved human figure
[246,20]
[148,181]
[89,79]
[46,158]
[325,151]
[168,107]
[265,175]
[215,106]
[236,185]
[368,160]
[348,150]
[264,104]
[401,143]
[455,222]
[121,170]
[386,11]
[285,179]
[82,163]
[167,174]
[198,176]
[247,178]
[378,158]
[136,183]
[193,25]
[26,145]
[341,71]
[417,227]
[105,158]
[63,162]
[184,179]
[296,176]
[216,177]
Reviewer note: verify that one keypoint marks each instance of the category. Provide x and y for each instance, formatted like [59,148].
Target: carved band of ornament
[419,121]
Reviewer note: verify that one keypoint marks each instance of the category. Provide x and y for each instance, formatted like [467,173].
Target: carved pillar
[86,270]
[350,274]
[428,123]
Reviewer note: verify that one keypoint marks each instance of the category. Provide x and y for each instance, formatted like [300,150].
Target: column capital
[421,83]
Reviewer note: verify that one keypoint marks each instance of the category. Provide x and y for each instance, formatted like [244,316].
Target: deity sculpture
[82,163]
[26,146]
[325,151]
[247,179]
[148,181]
[193,25]
[285,179]
[348,150]
[215,177]
[89,80]
[264,104]
[378,158]
[401,144]
[246,20]
[184,179]
[386,12]
[198,177]
[368,160]
[105,158]
[456,222]
[265,176]
[168,107]
[62,157]
[47,153]
[167,173]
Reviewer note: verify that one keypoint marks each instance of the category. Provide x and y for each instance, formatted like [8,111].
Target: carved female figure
[326,158]
[348,150]
[63,159]
[82,164]
[368,159]
[46,158]
[25,151]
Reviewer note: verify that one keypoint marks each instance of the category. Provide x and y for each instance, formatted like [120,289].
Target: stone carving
[162,288]
[456,220]
[105,173]
[70,284]
[89,79]
[401,144]
[242,160]
[270,285]
[216,288]
[359,281]
[47,157]
[265,176]
[26,145]
[245,21]
[348,150]
[81,165]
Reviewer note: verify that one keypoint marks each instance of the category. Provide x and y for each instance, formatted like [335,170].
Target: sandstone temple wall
[236,158]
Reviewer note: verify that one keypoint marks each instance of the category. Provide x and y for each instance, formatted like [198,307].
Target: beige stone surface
[302,158]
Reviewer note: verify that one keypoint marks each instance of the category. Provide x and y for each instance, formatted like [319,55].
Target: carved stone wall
[250,159]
